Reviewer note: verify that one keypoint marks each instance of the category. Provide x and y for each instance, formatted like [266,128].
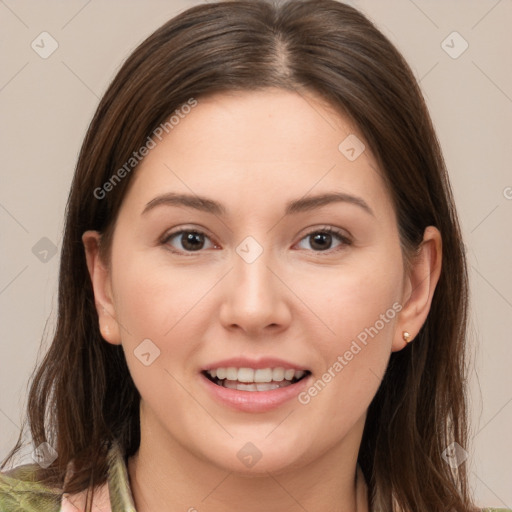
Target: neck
[173,478]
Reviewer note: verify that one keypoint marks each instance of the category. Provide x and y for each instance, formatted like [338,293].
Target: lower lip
[255,401]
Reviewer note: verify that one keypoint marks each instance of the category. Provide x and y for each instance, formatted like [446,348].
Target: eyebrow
[292,207]
[312,202]
[191,201]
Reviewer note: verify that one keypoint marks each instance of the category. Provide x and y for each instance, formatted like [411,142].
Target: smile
[255,380]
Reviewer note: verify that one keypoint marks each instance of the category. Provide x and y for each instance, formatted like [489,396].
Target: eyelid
[342,233]
[344,237]
[186,227]
[164,240]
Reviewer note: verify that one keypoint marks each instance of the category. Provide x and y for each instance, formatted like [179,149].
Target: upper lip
[264,362]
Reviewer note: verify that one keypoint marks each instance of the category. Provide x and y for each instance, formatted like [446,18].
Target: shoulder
[21,492]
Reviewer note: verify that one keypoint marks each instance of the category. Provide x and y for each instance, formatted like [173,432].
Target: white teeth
[232,377]
[245,375]
[278,374]
[231,373]
[288,374]
[263,375]
[267,386]
[260,386]
[246,387]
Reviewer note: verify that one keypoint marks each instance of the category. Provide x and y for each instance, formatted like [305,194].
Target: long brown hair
[82,397]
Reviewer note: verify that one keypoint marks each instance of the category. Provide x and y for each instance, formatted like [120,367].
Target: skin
[253,152]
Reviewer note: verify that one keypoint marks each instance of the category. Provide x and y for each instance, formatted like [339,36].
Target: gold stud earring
[406,336]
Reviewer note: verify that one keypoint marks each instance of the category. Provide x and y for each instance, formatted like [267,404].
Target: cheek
[359,308]
[159,310]
[366,303]
[152,298]
[161,316]
[358,296]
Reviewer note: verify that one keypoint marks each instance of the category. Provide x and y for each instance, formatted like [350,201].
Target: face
[256,281]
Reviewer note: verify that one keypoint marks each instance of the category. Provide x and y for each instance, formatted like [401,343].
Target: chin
[256,458]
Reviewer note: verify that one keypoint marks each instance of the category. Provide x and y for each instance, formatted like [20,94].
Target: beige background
[46,105]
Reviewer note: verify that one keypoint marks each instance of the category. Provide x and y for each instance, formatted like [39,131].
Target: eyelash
[334,232]
[345,241]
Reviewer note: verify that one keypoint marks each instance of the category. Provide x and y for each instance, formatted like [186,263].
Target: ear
[419,286]
[100,278]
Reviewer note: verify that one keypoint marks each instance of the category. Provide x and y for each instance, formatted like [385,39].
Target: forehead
[273,143]
[266,125]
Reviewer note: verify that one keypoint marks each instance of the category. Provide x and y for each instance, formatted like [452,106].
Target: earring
[406,336]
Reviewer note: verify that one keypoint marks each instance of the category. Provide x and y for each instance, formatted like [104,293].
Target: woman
[263,291]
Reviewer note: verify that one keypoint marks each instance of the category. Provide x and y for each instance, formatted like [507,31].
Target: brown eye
[192,241]
[324,240]
[188,241]
[320,241]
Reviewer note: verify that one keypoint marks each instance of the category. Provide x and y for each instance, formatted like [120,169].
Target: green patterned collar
[121,499]
[21,492]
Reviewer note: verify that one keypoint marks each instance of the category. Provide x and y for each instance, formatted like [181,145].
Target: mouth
[255,379]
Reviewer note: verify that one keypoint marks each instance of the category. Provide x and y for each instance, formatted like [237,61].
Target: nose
[255,300]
